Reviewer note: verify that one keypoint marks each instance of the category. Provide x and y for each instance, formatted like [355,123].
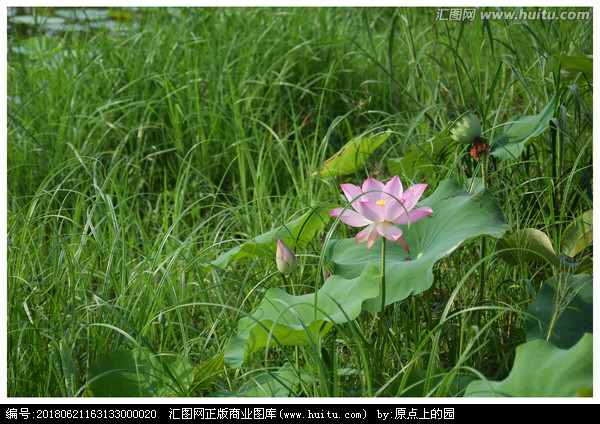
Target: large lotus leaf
[351,157]
[543,370]
[586,266]
[140,373]
[457,216]
[527,245]
[294,234]
[37,47]
[578,234]
[563,310]
[205,372]
[284,319]
[519,131]
[282,383]
[572,65]
[422,159]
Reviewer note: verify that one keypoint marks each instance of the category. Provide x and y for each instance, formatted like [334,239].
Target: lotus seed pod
[466,129]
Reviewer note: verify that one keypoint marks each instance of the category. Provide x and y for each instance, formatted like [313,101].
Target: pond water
[25,22]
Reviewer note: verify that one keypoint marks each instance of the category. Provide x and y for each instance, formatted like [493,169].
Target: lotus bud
[286,260]
[466,129]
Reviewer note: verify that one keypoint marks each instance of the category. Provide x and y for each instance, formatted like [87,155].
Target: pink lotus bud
[286,260]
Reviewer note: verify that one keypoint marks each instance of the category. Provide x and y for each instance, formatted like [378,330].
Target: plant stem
[383,275]
[382,318]
[483,242]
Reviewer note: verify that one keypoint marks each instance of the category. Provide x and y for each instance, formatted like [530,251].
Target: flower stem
[484,170]
[483,244]
[382,274]
[382,318]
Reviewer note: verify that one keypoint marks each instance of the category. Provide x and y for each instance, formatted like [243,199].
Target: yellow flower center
[381,202]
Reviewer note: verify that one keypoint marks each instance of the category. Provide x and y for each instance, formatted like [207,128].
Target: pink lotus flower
[379,207]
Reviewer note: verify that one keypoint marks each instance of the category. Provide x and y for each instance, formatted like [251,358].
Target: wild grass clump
[138,153]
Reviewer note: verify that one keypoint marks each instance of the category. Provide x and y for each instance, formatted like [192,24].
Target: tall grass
[136,157]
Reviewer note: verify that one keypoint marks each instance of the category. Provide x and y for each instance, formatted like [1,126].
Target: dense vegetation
[144,145]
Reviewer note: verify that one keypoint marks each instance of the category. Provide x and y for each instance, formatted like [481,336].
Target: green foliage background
[145,143]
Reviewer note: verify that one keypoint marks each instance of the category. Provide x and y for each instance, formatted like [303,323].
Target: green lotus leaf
[295,233]
[519,131]
[284,319]
[37,47]
[572,65]
[351,157]
[543,370]
[205,372]
[563,310]
[586,266]
[282,383]
[527,245]
[422,160]
[578,234]
[457,217]
[140,373]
